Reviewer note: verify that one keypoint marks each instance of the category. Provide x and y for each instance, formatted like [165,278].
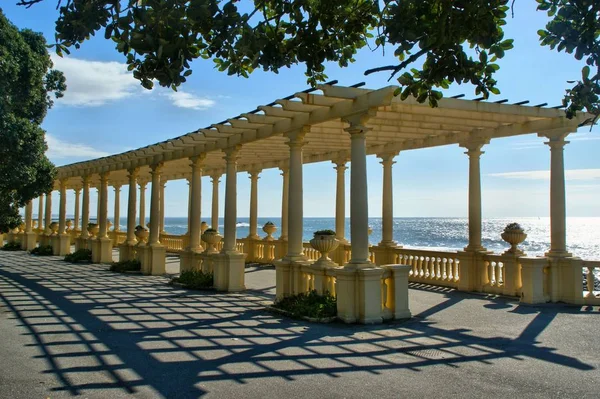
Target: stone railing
[591,282]
[431,267]
[174,243]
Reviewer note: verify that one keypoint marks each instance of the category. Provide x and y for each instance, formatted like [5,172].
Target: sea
[444,234]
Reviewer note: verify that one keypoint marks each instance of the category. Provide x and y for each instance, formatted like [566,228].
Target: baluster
[445,269]
[438,265]
[456,263]
[590,282]
[500,273]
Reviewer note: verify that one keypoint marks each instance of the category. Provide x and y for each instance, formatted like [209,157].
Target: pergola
[328,123]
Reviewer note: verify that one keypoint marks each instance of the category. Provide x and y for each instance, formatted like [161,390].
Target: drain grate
[432,354]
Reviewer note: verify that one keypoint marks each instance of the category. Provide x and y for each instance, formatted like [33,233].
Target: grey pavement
[79,330]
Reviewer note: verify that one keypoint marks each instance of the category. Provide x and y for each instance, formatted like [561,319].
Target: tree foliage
[436,42]
[26,83]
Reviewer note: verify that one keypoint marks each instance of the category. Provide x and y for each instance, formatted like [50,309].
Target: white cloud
[182,99]
[539,143]
[60,149]
[570,174]
[94,83]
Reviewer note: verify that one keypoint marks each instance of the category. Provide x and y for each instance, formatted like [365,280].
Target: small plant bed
[80,256]
[126,266]
[11,246]
[308,306]
[43,250]
[194,279]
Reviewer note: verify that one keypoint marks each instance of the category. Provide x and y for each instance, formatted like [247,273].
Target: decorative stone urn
[324,241]
[212,238]
[141,234]
[93,229]
[370,230]
[54,228]
[69,224]
[514,235]
[22,228]
[203,227]
[269,228]
[108,224]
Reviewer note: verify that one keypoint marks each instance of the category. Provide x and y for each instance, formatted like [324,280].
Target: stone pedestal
[29,242]
[207,263]
[532,274]
[61,244]
[229,268]
[44,239]
[127,252]
[288,276]
[396,297]
[190,260]
[101,250]
[359,294]
[152,258]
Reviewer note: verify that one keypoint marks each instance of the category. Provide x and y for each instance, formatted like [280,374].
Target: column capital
[104,176]
[133,172]
[340,164]
[77,189]
[474,145]
[63,183]
[358,121]
[117,187]
[197,162]
[85,179]
[254,174]
[284,169]
[556,135]
[296,137]
[232,153]
[215,176]
[156,167]
[388,157]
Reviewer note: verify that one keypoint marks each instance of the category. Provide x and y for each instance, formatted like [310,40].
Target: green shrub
[81,255]
[123,266]
[42,250]
[309,304]
[12,246]
[324,233]
[195,279]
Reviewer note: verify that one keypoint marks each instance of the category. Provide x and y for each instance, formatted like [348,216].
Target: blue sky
[105,111]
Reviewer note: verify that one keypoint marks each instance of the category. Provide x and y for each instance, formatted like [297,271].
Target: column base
[29,241]
[101,250]
[61,244]
[358,292]
[558,254]
[127,252]
[389,244]
[229,268]
[153,259]
[288,277]
[253,237]
[190,260]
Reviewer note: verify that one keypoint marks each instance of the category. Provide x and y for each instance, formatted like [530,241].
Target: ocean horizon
[437,233]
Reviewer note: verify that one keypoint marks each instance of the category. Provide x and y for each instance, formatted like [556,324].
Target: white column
[340,201]
[284,203]
[48,213]
[153,238]
[189,217]
[231,157]
[103,202]
[142,221]
[29,217]
[359,204]
[474,152]
[41,212]
[85,209]
[116,225]
[558,208]
[253,231]
[387,211]
[77,209]
[215,201]
[98,195]
[195,207]
[62,213]
[131,205]
[295,199]
[162,207]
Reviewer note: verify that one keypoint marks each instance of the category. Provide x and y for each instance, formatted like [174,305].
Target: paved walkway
[70,330]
